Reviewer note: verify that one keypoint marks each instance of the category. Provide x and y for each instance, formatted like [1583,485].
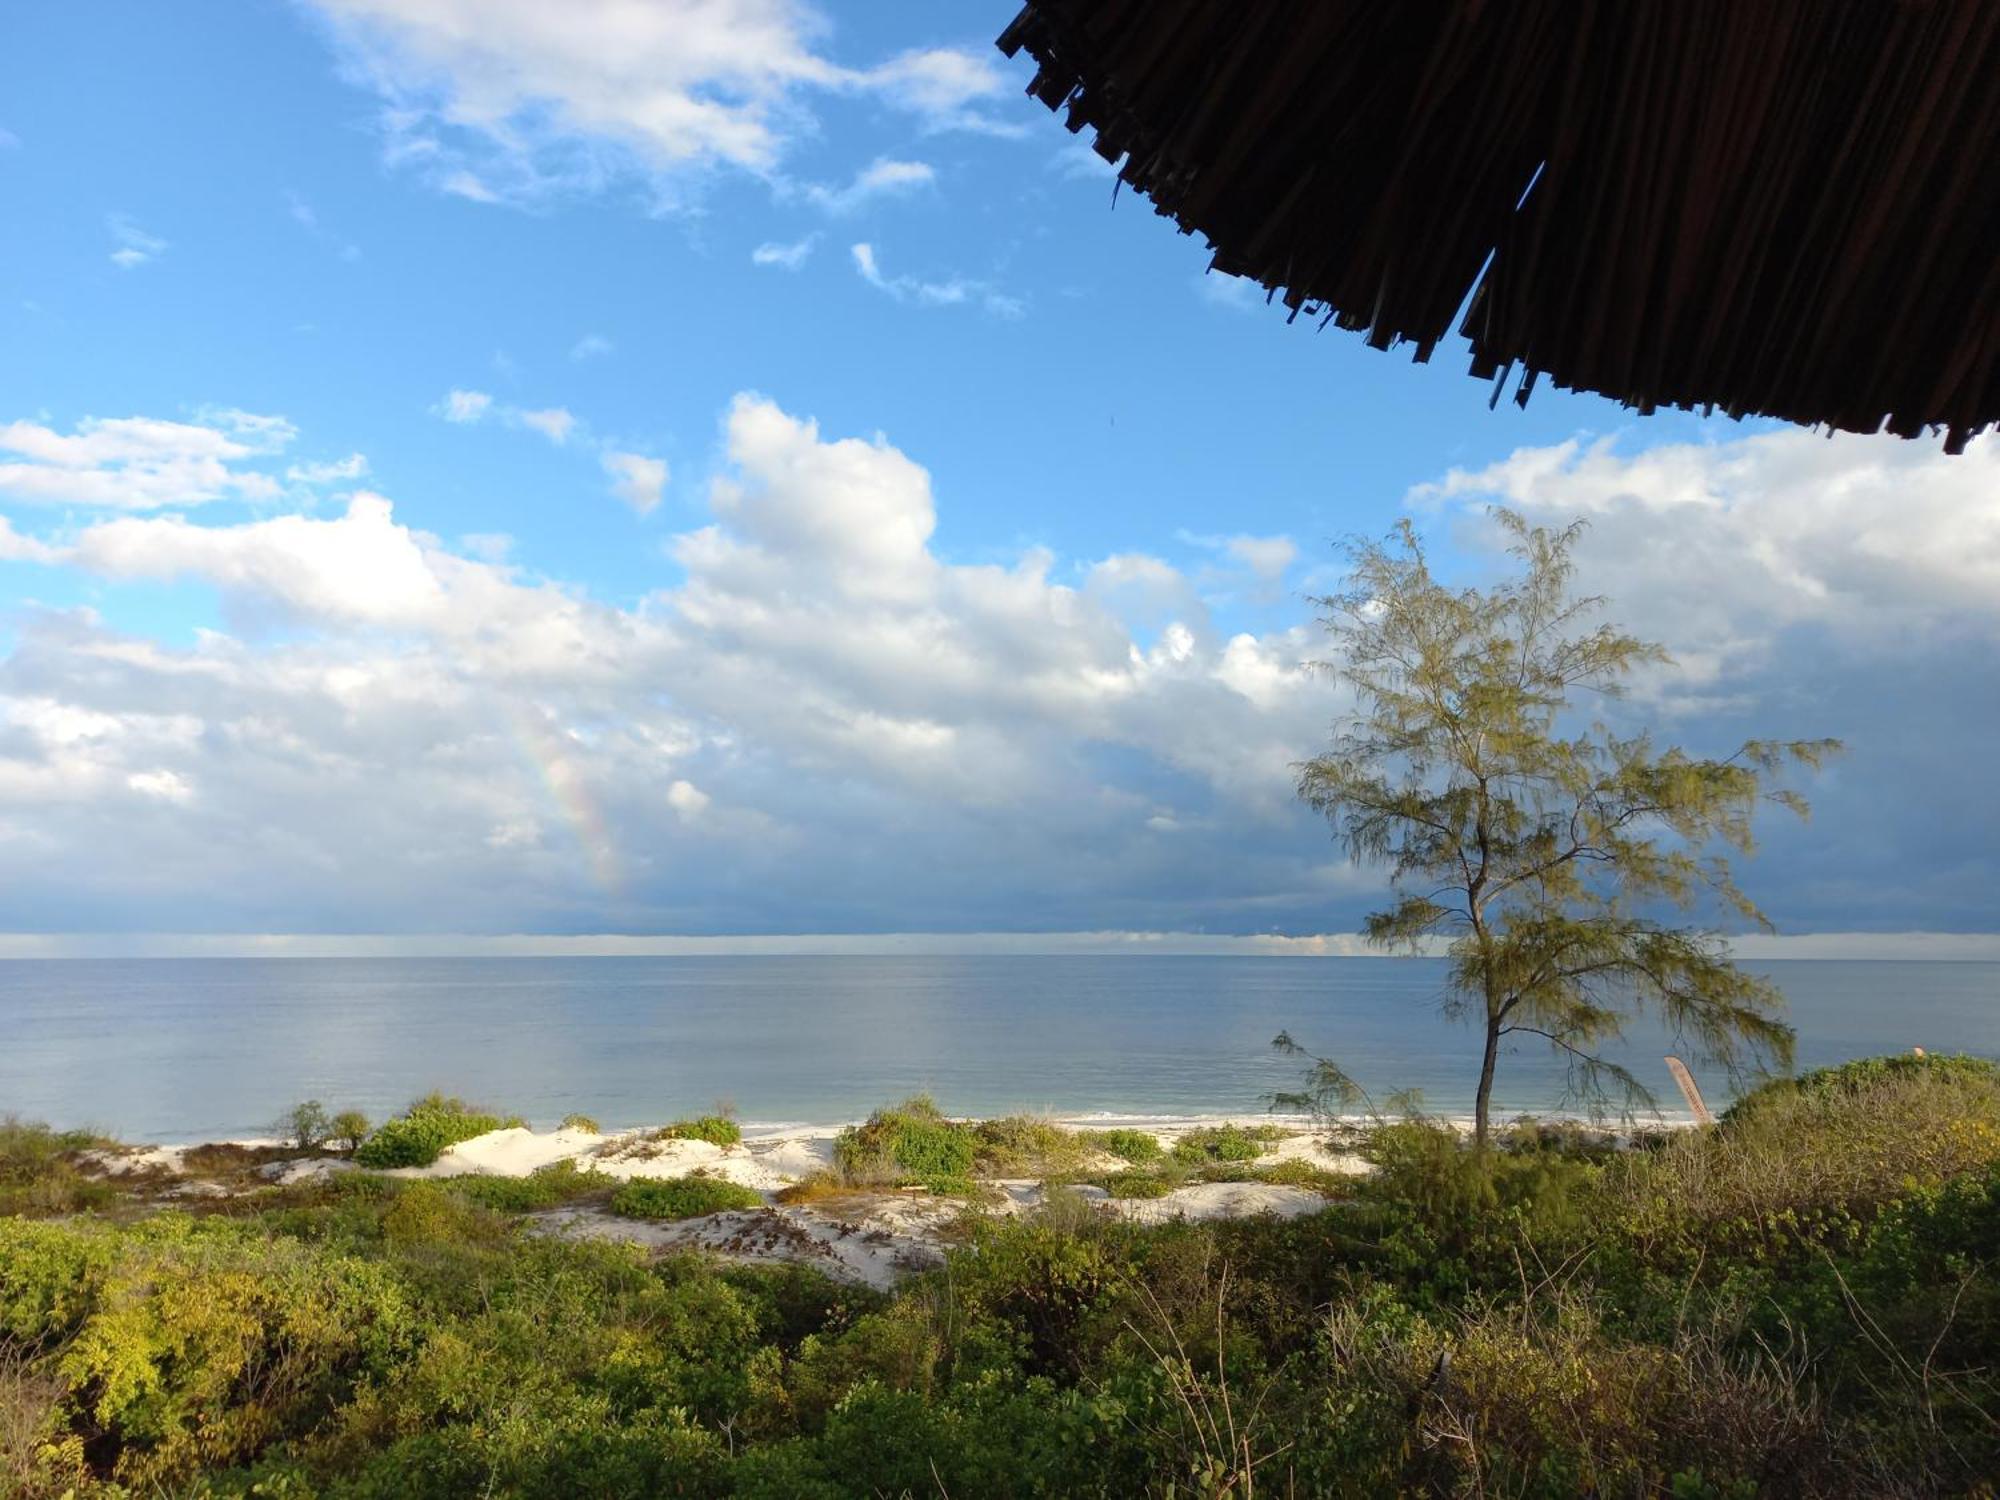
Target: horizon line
[1752,947]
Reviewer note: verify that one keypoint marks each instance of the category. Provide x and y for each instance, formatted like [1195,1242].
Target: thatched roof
[1779,207]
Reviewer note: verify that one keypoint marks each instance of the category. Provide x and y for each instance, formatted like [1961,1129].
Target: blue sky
[851,520]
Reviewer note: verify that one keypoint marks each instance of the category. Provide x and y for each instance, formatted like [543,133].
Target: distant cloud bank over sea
[1874,946]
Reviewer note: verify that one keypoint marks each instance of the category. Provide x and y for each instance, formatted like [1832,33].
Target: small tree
[306,1125]
[1537,850]
[350,1128]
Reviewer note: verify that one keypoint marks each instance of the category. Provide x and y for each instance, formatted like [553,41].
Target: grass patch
[1139,1147]
[717,1130]
[908,1143]
[419,1135]
[682,1197]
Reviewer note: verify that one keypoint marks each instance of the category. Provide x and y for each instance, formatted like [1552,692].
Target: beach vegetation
[1026,1146]
[1540,851]
[44,1171]
[717,1130]
[1223,1143]
[306,1126]
[546,1187]
[1801,1301]
[1139,1147]
[687,1197]
[419,1135]
[585,1123]
[348,1129]
[908,1144]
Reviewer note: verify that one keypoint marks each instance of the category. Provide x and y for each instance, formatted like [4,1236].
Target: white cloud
[884,177]
[351,467]
[1077,160]
[554,423]
[787,257]
[1238,293]
[639,481]
[464,406]
[811,724]
[590,346]
[821,711]
[956,292]
[140,463]
[307,218]
[8,140]
[517,101]
[135,247]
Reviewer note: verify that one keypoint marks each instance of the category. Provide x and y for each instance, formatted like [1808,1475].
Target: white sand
[1220,1200]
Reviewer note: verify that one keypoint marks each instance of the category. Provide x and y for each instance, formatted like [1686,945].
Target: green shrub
[717,1130]
[911,1142]
[421,1133]
[1224,1143]
[682,1197]
[580,1122]
[1139,1147]
[40,1173]
[1140,1183]
[1025,1145]
[547,1187]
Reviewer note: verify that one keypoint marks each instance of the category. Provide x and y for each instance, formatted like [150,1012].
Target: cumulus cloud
[955,292]
[809,729]
[135,247]
[1847,586]
[637,480]
[516,101]
[140,463]
[823,722]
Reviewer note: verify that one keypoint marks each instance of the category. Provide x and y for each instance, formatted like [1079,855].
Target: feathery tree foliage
[1538,850]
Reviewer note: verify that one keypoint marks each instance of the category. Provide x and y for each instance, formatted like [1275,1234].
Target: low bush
[546,1187]
[1140,1183]
[421,1133]
[1225,1143]
[908,1143]
[306,1126]
[1025,1146]
[580,1122]
[717,1130]
[41,1172]
[682,1197]
[1139,1147]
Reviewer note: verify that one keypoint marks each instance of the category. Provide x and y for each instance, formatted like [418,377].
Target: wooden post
[1689,1092]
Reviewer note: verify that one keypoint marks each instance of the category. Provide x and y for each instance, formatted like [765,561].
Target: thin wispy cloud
[590,346]
[786,257]
[134,247]
[955,291]
[520,102]
[882,178]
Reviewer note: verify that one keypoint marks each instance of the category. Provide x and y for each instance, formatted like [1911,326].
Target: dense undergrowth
[1801,1301]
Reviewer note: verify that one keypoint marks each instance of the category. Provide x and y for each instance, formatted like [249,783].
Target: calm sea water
[202,1048]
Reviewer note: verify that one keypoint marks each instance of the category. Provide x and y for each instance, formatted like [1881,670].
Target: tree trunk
[1482,1109]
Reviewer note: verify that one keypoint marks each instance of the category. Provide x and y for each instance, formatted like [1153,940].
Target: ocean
[194,1049]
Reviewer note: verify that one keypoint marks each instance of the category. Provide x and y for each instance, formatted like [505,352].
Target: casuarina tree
[1571,874]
